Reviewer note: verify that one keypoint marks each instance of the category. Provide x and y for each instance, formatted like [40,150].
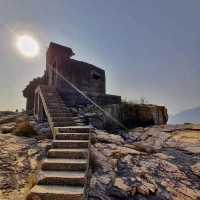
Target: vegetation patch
[187,136]
[24,128]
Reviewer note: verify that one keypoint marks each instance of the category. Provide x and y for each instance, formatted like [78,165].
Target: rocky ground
[156,163]
[19,156]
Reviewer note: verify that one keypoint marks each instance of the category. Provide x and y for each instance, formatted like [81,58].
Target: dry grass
[188,136]
[24,128]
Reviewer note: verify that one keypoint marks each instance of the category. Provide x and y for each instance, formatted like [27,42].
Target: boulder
[196,169]
[163,156]
[105,137]
[193,149]
[9,118]
[123,151]
[145,147]
[180,191]
[120,184]
[8,128]
[32,152]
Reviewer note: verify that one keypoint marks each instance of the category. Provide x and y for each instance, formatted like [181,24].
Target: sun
[27,46]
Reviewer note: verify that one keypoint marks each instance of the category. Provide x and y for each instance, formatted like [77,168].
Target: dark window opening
[96,76]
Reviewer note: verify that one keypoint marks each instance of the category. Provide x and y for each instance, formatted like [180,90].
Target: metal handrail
[88,98]
[39,91]
[88,163]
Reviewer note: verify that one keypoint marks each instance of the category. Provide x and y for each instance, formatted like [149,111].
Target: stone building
[29,92]
[86,77]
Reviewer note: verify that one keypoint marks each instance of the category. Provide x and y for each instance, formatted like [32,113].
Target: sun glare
[27,46]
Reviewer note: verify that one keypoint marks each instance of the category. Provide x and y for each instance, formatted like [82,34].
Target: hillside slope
[187,116]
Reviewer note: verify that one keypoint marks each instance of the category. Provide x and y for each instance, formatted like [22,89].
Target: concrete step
[52,96]
[64,124]
[53,100]
[80,124]
[55,94]
[60,164]
[56,106]
[78,120]
[58,110]
[68,153]
[72,109]
[72,136]
[48,89]
[73,178]
[62,114]
[64,119]
[75,144]
[54,192]
[75,129]
[51,91]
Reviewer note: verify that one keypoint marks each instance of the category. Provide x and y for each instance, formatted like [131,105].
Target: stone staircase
[63,173]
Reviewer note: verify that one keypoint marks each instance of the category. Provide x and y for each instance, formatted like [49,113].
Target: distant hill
[187,116]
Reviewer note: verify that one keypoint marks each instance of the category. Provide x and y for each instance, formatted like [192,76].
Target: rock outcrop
[129,114]
[196,169]
[149,163]
[153,163]
[20,157]
[134,115]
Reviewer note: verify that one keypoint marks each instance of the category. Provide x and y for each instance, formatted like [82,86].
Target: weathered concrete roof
[81,64]
[57,48]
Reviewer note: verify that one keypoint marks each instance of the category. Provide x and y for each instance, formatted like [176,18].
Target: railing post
[34,109]
[36,105]
[40,110]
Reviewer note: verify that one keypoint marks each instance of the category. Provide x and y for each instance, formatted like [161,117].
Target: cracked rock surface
[156,163]
[20,158]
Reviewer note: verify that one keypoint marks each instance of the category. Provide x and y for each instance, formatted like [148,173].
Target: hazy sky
[148,48]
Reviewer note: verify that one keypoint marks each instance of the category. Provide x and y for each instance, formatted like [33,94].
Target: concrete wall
[133,115]
[29,92]
[88,78]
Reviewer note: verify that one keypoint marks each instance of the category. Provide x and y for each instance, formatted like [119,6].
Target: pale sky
[149,48]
